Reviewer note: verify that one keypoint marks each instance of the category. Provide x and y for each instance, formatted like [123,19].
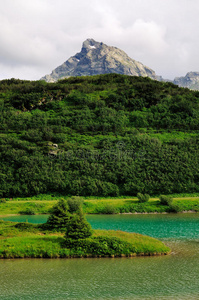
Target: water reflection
[126,278]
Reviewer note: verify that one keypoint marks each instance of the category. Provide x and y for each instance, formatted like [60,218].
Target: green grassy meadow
[98,206]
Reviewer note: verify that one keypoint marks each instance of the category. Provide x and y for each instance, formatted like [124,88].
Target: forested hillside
[98,135]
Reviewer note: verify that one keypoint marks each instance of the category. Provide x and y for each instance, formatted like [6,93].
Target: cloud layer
[37,36]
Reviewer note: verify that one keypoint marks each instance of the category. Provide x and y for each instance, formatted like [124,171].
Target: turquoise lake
[174,277]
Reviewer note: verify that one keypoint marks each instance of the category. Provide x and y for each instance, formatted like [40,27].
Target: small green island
[67,234]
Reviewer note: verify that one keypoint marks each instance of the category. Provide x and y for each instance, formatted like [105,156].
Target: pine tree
[59,217]
[78,227]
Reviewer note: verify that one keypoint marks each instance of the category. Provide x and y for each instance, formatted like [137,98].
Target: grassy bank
[99,206]
[30,241]
[111,206]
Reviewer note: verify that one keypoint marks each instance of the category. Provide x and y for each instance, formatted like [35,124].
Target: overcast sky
[36,36]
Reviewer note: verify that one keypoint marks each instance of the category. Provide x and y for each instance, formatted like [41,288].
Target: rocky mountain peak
[98,58]
[90,44]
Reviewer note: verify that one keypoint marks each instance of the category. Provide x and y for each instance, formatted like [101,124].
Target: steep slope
[103,135]
[97,58]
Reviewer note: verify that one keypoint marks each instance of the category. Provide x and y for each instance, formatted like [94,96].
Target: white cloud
[36,36]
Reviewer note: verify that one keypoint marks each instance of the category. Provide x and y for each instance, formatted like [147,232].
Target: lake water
[175,276]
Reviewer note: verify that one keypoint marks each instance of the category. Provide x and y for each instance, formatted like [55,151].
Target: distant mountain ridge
[190,80]
[97,58]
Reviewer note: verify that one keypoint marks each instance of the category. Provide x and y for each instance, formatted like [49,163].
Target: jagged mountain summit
[190,80]
[97,58]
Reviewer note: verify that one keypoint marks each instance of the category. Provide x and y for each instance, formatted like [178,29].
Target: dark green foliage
[59,217]
[174,208]
[77,227]
[166,200]
[100,246]
[143,197]
[105,135]
[69,218]
[24,226]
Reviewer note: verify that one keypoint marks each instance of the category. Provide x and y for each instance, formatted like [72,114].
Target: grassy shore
[39,205]
[30,241]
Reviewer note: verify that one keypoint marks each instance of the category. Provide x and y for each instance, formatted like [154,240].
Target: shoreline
[160,213]
[132,255]
[128,213]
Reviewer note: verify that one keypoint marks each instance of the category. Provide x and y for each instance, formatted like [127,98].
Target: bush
[100,246]
[166,200]
[109,209]
[174,208]
[143,197]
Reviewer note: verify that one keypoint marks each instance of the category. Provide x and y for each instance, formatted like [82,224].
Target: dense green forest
[104,135]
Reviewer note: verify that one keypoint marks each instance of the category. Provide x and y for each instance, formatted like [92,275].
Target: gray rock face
[97,58]
[191,81]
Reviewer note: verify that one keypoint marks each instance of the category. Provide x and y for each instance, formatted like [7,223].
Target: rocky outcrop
[191,81]
[97,58]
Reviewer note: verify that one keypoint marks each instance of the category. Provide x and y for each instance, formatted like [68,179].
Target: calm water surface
[173,277]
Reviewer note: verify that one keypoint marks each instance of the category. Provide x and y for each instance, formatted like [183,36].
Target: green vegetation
[106,135]
[143,197]
[166,200]
[24,207]
[33,242]
[134,206]
[48,240]
[59,216]
[103,206]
